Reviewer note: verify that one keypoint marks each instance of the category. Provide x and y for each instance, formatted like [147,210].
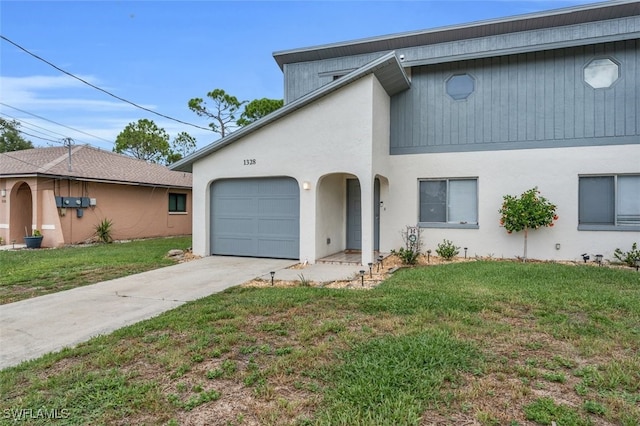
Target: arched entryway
[21,214]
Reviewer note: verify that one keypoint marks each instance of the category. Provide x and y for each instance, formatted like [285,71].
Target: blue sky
[160,54]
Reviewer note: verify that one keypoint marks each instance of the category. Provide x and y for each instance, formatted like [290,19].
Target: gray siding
[305,77]
[528,100]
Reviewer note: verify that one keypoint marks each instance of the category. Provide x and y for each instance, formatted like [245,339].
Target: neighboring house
[65,194]
[431,129]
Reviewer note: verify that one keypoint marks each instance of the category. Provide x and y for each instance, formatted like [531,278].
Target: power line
[99,88]
[55,122]
[31,125]
[39,137]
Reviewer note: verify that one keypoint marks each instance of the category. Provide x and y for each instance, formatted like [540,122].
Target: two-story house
[431,129]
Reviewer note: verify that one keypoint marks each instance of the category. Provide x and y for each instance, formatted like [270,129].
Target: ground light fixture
[465,252]
[362,276]
[370,270]
[380,264]
[429,256]
[637,264]
[599,259]
[273,273]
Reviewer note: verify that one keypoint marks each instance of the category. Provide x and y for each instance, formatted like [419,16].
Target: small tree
[529,211]
[222,111]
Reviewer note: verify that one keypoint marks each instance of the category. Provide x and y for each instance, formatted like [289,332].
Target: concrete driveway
[34,327]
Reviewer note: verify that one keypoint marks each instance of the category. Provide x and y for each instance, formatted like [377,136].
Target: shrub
[407,256]
[447,250]
[103,230]
[629,258]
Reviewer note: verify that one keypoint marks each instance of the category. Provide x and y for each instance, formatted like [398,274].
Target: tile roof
[88,163]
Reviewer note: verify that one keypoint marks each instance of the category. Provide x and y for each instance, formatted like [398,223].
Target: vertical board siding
[303,78]
[529,99]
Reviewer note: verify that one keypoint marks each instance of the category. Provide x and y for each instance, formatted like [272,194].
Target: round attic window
[601,73]
[460,86]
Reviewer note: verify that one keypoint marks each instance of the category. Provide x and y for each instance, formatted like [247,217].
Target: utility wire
[30,126]
[100,89]
[54,122]
[40,137]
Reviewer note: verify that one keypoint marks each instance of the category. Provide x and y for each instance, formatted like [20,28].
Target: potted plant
[35,240]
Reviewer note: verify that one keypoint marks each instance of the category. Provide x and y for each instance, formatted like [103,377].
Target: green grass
[491,342]
[30,273]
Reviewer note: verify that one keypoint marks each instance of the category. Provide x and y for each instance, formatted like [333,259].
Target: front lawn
[487,342]
[31,273]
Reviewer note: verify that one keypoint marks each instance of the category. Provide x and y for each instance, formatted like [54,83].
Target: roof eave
[544,19]
[90,179]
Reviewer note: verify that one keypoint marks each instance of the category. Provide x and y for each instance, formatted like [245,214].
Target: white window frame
[446,223]
[616,225]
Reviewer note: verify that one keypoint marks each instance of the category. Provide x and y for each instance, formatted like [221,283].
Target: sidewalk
[30,328]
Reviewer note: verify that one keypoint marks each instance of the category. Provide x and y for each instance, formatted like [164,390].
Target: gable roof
[90,164]
[533,21]
[387,70]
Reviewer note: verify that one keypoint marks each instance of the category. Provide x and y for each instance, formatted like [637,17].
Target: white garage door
[257,217]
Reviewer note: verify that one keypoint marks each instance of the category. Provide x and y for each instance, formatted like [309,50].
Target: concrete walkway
[33,327]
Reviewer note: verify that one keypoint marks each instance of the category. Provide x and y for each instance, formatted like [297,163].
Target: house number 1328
[250,162]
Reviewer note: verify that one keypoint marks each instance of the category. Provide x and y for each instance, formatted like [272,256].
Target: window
[177,203]
[601,73]
[607,202]
[449,202]
[460,86]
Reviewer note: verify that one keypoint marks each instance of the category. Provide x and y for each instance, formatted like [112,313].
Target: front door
[354,215]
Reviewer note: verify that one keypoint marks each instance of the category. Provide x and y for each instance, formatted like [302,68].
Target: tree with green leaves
[183,144]
[143,140]
[529,211]
[222,111]
[10,138]
[146,141]
[257,109]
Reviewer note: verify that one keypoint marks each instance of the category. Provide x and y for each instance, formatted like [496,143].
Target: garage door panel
[233,206]
[279,206]
[235,226]
[236,246]
[267,247]
[282,227]
[256,217]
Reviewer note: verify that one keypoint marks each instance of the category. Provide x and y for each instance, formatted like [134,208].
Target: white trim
[4,226]
[48,227]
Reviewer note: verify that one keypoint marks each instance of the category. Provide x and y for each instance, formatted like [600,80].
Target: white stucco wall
[346,134]
[555,171]
[331,135]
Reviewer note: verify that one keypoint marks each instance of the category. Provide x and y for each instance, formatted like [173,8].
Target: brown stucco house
[65,193]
